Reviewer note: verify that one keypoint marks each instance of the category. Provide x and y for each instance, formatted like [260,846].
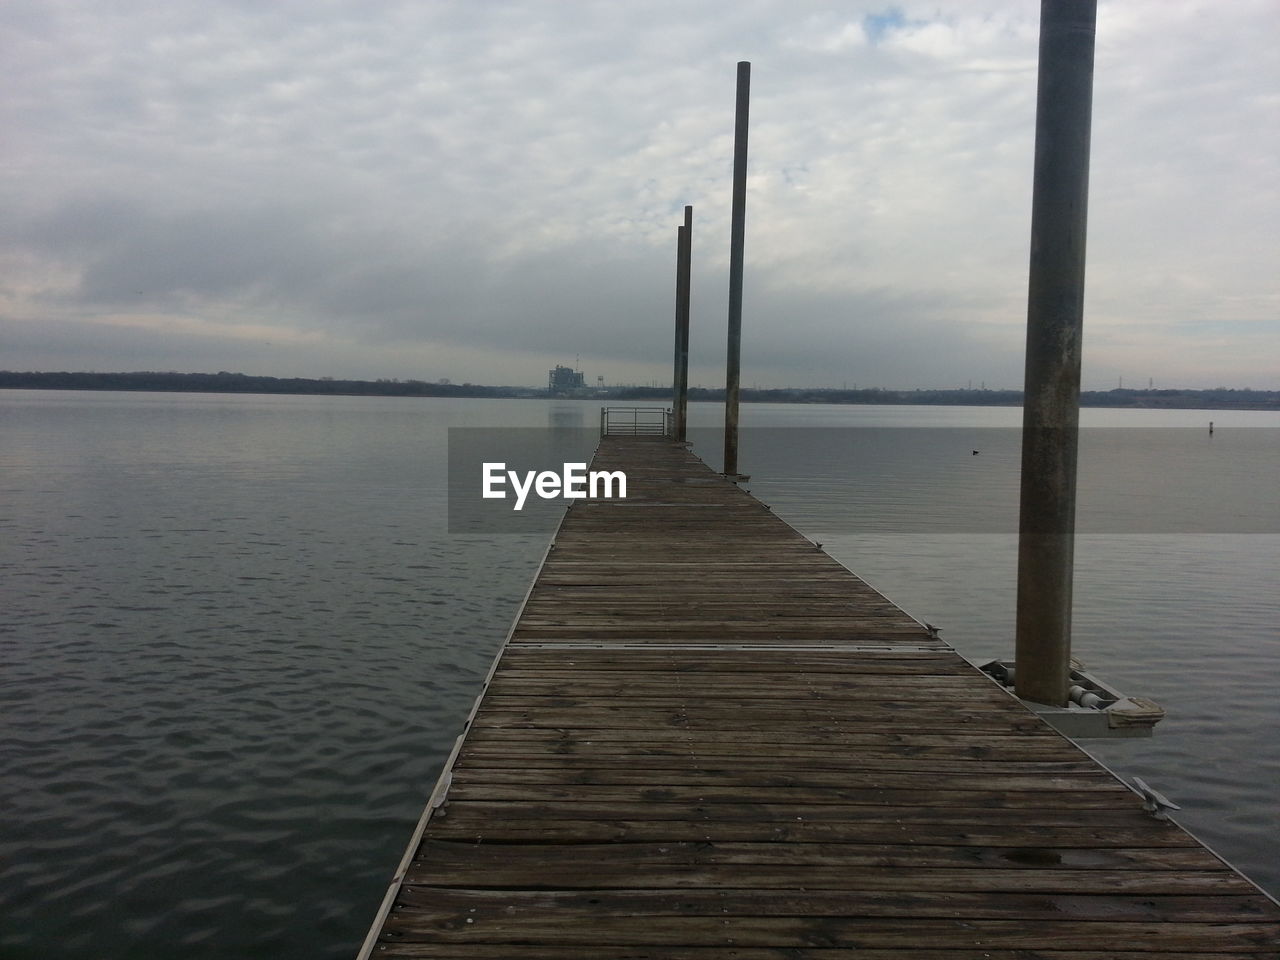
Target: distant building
[564,381]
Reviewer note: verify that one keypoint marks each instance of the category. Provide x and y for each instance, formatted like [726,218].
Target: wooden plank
[862,932]
[742,713]
[640,683]
[601,865]
[659,765]
[448,905]
[878,879]
[614,743]
[703,793]
[416,950]
[608,742]
[776,715]
[461,825]
[729,660]
[909,816]
[738,777]
[577,715]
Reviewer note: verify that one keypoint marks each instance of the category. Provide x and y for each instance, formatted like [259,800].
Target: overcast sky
[480,189]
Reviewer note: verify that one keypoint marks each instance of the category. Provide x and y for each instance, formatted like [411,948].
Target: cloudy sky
[478,189]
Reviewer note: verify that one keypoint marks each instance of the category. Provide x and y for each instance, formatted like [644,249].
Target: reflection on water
[238,643]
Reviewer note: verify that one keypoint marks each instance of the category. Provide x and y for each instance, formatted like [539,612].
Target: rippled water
[237,646]
[238,643]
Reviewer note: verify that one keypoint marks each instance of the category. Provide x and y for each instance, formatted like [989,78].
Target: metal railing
[635,422]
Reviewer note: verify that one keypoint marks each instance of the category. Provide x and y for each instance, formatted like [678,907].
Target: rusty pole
[1055,319]
[737,236]
[685,267]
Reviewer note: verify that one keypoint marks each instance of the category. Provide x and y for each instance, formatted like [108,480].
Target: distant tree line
[224,382]
[1219,398]
[1223,398]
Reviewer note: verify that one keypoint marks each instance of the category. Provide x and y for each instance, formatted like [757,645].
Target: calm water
[238,641]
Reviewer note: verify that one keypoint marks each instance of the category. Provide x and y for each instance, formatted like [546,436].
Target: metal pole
[682,325]
[737,236]
[675,370]
[1055,318]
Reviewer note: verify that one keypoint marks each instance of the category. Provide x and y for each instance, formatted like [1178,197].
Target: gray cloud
[489,187]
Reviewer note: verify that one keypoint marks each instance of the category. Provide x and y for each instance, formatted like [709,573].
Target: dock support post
[675,369]
[737,236]
[1055,315]
[685,270]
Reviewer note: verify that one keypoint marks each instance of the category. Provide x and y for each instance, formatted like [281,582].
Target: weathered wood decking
[707,739]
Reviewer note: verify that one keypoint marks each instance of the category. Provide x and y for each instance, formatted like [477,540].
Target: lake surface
[239,640]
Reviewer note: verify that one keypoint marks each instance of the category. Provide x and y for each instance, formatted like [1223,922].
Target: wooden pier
[705,739]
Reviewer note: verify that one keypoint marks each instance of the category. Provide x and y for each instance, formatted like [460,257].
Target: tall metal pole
[737,236]
[675,369]
[682,326]
[1055,319]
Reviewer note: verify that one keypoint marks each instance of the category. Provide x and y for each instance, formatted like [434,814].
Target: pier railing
[635,422]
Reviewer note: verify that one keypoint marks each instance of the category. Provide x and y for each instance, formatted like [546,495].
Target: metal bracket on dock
[1096,710]
[1153,801]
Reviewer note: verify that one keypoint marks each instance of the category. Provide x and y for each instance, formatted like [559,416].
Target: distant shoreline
[1220,398]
